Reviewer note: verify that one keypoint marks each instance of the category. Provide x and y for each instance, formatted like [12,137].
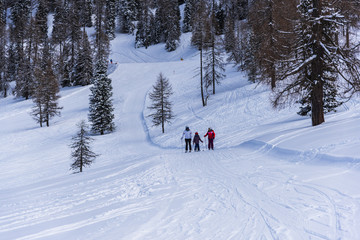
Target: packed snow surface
[271,176]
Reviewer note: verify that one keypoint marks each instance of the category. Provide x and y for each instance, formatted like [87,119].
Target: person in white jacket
[188,136]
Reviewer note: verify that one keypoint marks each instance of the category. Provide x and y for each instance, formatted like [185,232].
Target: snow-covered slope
[271,175]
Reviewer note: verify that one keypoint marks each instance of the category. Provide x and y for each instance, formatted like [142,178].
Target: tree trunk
[317,104]
[272,47]
[201,80]
[347,35]
[47,120]
[163,115]
[317,70]
[213,44]
[213,63]
[273,76]
[40,115]
[81,158]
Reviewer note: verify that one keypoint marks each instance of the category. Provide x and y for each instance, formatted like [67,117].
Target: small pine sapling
[82,154]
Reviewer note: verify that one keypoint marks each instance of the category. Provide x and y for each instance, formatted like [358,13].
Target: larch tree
[269,21]
[200,38]
[81,149]
[101,108]
[46,91]
[214,66]
[213,62]
[161,104]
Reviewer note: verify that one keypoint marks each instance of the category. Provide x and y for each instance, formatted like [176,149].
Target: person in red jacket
[211,136]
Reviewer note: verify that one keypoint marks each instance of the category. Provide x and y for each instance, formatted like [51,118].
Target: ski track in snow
[253,186]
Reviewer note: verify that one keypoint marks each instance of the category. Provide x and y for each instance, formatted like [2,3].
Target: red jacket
[210,134]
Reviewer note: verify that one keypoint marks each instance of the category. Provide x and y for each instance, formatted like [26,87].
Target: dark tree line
[302,48]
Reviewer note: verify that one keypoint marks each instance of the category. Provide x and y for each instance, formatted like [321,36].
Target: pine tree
[74,38]
[101,108]
[128,11]
[101,38]
[85,12]
[160,95]
[4,85]
[11,66]
[168,23]
[145,35]
[110,15]
[59,36]
[82,154]
[24,75]
[20,16]
[188,15]
[229,35]
[84,64]
[38,32]
[172,38]
[41,21]
[51,5]
[219,15]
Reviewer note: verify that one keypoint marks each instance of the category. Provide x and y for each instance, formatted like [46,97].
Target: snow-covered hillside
[271,176]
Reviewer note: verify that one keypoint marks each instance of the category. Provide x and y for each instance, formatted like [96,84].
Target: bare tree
[46,91]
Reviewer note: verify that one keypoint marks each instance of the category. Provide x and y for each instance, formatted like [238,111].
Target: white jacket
[187,134]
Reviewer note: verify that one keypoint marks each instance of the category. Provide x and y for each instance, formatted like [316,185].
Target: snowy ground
[271,176]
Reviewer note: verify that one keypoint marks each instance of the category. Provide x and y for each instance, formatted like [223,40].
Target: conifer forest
[304,50]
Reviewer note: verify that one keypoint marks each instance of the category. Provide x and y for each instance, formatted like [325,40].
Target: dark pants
[187,143]
[197,146]
[211,144]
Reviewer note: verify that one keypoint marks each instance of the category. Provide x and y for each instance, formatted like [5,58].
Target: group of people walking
[187,134]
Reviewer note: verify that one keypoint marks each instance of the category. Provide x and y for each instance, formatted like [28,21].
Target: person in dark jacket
[211,136]
[197,141]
